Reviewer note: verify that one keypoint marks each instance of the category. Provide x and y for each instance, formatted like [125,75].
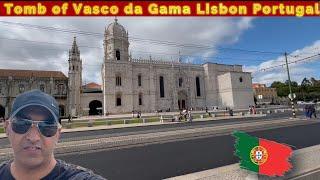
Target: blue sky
[279,34]
[300,37]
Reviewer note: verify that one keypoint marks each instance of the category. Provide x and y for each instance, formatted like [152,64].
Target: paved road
[176,158]
[159,128]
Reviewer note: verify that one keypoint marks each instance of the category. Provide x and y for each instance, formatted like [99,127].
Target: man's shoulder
[77,172]
[4,164]
[5,170]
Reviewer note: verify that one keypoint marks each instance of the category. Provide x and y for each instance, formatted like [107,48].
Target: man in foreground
[33,130]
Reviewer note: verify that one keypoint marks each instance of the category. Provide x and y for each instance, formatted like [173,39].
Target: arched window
[21,88]
[240,79]
[118,80]
[140,99]
[61,110]
[180,82]
[118,99]
[139,80]
[60,88]
[198,86]
[161,86]
[42,87]
[118,54]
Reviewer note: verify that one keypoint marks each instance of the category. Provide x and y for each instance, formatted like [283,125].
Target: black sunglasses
[22,125]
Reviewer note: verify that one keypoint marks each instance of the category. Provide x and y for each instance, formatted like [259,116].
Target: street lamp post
[290,95]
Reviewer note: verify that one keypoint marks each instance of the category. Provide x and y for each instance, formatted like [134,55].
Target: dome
[116,29]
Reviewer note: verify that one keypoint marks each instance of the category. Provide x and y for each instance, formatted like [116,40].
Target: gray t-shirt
[62,171]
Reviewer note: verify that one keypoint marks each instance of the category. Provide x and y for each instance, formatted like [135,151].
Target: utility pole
[290,95]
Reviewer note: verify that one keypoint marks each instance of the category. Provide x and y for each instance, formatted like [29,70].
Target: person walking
[313,111]
[189,116]
[306,110]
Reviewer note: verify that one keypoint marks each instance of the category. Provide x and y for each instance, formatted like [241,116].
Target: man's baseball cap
[35,99]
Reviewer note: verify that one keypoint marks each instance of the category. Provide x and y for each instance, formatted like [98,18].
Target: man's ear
[58,133]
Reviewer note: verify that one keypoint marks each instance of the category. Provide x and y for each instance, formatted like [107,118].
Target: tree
[308,90]
[277,84]
[282,88]
[314,82]
[305,82]
[293,83]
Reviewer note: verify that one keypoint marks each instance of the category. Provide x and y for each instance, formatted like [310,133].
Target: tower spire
[74,48]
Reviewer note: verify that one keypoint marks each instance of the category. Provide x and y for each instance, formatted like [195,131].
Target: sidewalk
[144,115]
[79,129]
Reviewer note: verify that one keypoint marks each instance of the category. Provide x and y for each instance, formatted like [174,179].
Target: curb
[104,127]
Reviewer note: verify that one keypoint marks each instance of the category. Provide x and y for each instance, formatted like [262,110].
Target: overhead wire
[152,41]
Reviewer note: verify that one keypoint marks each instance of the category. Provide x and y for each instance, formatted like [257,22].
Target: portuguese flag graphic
[261,155]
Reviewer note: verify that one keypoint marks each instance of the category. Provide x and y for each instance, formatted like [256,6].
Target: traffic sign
[293,96]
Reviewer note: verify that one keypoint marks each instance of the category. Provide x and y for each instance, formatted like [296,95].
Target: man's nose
[33,134]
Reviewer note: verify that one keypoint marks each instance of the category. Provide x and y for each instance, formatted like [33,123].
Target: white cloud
[298,69]
[186,30]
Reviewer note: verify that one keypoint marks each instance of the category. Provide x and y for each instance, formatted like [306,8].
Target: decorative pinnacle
[74,48]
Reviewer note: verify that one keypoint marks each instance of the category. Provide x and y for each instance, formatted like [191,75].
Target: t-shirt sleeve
[86,175]
[67,171]
[5,171]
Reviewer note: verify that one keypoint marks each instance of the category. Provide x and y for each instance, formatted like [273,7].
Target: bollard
[201,116]
[90,123]
[161,119]
[282,110]
[268,112]
[275,111]
[108,122]
[213,115]
[69,125]
[260,112]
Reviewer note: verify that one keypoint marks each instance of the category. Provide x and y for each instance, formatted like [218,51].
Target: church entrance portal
[61,110]
[95,107]
[182,100]
[2,112]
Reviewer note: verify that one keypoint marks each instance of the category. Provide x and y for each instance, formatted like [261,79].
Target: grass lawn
[153,119]
[1,130]
[76,124]
[83,121]
[95,123]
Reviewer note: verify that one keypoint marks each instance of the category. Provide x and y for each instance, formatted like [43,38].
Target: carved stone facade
[13,82]
[75,80]
[149,85]
[133,84]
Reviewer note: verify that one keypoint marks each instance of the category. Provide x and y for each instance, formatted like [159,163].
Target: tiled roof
[257,85]
[31,73]
[92,85]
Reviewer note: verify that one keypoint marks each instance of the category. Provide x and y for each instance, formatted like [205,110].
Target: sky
[259,44]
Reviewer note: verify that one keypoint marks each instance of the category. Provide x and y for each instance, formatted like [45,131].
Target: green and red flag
[263,156]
